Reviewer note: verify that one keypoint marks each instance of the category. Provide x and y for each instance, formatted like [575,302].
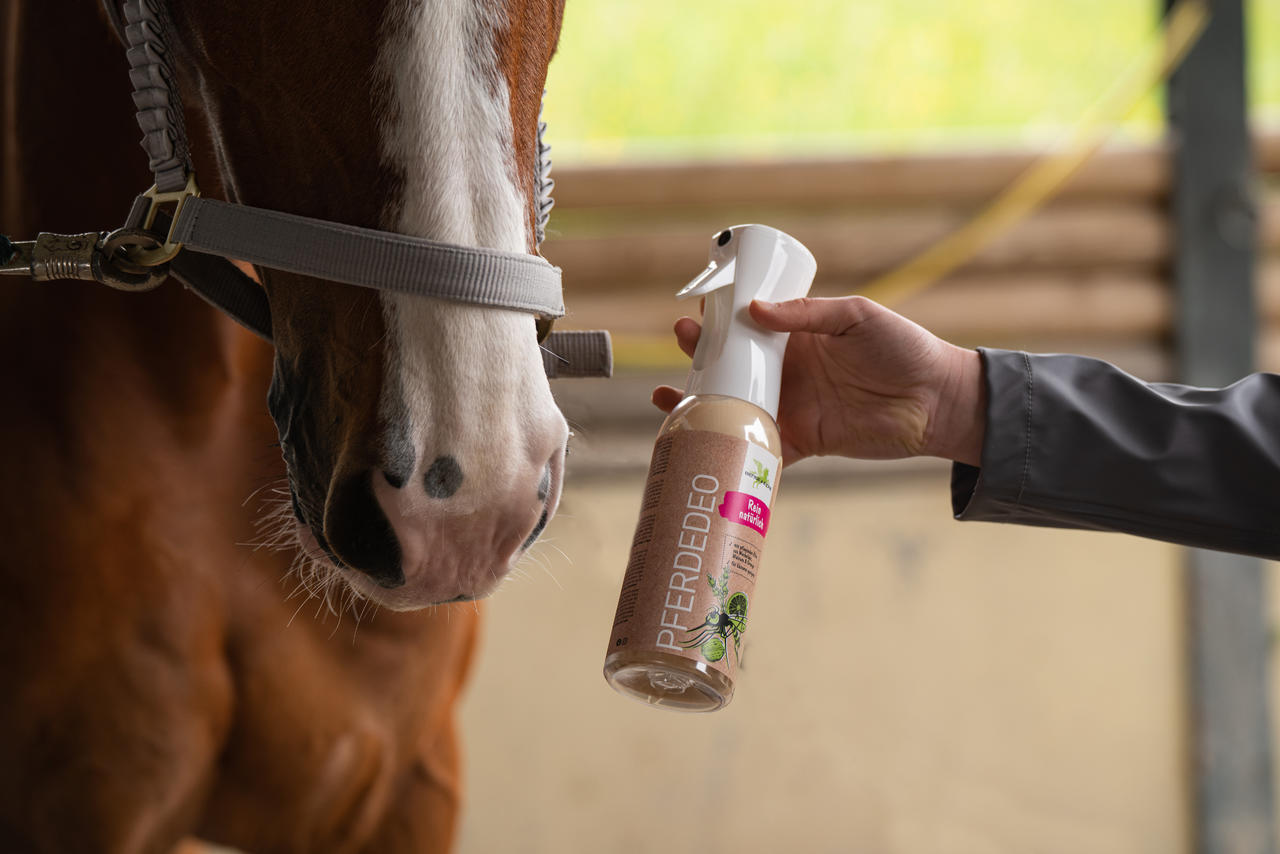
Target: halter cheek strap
[204,233]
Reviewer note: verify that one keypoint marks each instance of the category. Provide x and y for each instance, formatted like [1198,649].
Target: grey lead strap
[370,258]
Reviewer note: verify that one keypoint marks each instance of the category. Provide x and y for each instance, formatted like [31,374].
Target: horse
[157,684]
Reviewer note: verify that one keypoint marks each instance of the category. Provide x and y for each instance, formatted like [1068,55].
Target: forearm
[1073,442]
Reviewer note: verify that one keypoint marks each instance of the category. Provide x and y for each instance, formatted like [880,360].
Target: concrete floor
[913,685]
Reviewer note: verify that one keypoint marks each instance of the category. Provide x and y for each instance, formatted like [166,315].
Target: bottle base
[667,681]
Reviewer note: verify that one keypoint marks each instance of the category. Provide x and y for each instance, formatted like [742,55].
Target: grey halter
[193,241]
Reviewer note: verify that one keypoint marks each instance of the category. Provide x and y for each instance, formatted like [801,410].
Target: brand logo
[759,477]
[759,474]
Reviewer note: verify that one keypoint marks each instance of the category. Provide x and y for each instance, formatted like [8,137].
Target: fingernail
[766,304]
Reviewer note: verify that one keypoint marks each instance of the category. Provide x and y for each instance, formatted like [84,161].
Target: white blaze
[471,377]
[450,129]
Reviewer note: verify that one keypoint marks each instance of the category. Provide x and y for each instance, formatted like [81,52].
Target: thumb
[824,315]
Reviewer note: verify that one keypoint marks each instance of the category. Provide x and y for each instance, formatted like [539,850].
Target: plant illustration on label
[728,618]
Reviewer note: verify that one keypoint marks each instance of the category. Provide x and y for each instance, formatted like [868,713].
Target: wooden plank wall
[1088,272]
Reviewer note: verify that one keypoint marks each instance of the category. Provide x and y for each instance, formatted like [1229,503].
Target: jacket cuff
[993,492]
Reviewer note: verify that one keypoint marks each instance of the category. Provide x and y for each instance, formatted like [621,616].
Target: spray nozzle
[720,271]
[735,356]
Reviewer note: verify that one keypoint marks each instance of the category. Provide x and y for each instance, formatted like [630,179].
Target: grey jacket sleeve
[1073,442]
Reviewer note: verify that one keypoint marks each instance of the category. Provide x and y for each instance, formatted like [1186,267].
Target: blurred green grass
[670,78]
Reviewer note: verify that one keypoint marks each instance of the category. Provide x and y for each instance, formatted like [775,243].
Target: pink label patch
[745,510]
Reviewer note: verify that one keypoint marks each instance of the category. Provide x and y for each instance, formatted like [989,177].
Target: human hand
[859,380]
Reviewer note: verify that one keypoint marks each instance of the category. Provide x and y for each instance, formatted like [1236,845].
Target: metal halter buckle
[143,253]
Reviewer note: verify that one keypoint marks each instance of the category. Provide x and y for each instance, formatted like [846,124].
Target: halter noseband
[171,230]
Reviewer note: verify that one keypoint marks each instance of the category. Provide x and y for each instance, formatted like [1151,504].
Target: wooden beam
[857,245]
[1086,304]
[1103,303]
[861,245]
[1122,171]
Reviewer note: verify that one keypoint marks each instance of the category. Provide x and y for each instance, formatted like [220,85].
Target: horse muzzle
[409,543]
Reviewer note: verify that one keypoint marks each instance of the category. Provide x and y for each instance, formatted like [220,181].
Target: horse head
[424,450]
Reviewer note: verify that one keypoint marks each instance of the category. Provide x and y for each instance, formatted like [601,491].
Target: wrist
[958,423]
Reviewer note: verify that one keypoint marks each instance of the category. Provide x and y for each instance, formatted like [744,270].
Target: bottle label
[692,571]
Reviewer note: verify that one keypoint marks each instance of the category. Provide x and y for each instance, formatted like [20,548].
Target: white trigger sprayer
[735,355]
[686,597]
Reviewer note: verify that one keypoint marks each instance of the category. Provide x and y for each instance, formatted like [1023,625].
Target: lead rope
[193,241]
[155,93]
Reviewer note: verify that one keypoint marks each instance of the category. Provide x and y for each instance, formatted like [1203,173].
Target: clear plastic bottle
[686,595]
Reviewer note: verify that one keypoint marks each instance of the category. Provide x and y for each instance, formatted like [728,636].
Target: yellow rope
[1167,48]
[1184,25]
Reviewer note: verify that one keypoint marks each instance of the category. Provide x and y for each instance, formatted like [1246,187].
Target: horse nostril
[544,485]
[537,529]
[443,478]
[297,507]
[328,550]
[392,478]
[358,534]
[544,490]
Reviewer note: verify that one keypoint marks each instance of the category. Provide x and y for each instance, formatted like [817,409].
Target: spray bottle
[688,590]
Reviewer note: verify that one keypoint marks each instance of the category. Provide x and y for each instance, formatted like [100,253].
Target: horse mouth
[320,560]
[410,587]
